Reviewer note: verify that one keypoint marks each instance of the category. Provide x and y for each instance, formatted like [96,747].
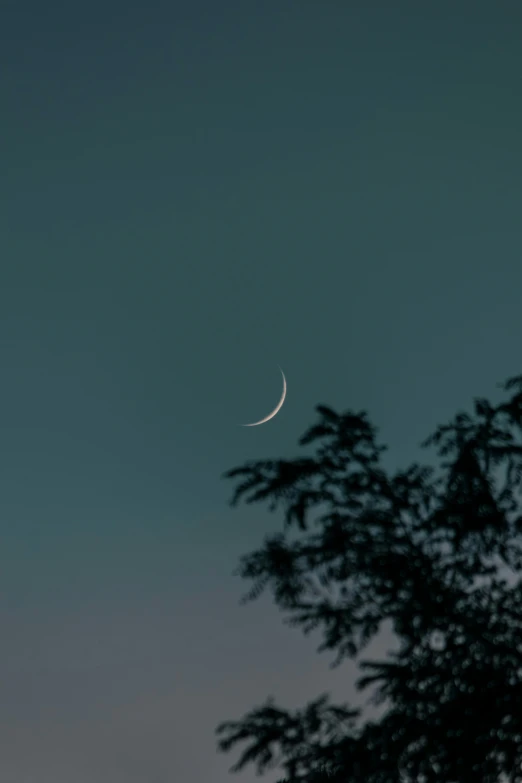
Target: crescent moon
[276,409]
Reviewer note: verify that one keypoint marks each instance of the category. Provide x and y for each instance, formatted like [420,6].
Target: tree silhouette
[438,552]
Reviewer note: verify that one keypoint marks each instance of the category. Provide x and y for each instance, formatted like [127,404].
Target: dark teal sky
[192,194]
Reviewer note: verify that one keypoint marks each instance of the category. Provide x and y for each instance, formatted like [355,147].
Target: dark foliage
[438,555]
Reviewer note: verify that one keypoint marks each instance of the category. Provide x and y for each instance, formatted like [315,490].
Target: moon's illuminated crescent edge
[276,409]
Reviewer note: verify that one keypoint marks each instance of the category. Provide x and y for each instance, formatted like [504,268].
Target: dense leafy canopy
[438,553]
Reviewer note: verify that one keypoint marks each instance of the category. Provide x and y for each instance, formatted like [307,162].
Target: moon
[276,409]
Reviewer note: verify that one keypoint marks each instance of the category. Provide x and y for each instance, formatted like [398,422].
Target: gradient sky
[193,193]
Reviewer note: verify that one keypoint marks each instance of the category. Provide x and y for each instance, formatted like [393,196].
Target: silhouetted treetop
[438,554]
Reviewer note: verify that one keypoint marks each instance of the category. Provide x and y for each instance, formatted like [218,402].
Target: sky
[191,195]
